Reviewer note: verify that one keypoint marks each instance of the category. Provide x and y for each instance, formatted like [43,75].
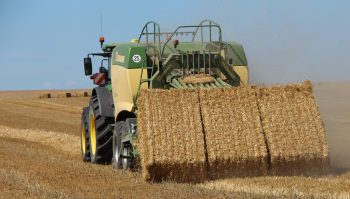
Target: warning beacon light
[102,39]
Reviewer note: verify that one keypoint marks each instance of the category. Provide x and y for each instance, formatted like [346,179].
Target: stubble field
[40,156]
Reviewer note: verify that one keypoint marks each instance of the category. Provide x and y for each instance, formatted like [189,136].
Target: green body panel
[235,51]
[125,55]
[109,87]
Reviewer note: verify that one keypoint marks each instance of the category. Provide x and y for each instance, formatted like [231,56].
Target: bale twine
[233,133]
[171,136]
[294,130]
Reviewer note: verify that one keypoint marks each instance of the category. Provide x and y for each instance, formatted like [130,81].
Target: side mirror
[87,66]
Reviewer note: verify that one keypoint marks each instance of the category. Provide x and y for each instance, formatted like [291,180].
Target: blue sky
[42,43]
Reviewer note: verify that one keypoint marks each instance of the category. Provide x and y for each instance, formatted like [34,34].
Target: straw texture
[233,133]
[294,130]
[171,136]
[198,78]
[195,134]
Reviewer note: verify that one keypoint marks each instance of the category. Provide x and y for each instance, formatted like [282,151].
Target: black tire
[101,134]
[117,141]
[84,136]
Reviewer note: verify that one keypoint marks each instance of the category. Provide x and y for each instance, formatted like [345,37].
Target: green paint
[234,51]
[130,56]
[109,87]
[135,153]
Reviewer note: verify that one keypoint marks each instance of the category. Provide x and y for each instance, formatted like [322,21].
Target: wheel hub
[92,134]
[83,139]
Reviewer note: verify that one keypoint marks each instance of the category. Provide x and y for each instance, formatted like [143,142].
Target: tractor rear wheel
[117,141]
[100,134]
[85,141]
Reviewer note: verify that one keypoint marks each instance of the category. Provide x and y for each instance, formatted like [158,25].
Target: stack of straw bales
[45,95]
[171,136]
[294,130]
[233,133]
[65,94]
[190,135]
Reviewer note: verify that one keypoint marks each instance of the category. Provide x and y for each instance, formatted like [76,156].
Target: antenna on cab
[102,38]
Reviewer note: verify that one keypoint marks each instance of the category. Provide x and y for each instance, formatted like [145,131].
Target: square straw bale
[233,133]
[171,136]
[45,95]
[294,130]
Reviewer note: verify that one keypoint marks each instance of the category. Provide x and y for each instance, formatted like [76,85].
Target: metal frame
[152,28]
[155,31]
[211,24]
[201,26]
[100,54]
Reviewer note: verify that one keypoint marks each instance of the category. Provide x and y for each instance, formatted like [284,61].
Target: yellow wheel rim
[92,134]
[83,138]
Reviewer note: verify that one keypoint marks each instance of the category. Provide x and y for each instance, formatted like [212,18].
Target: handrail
[156,31]
[157,34]
[198,26]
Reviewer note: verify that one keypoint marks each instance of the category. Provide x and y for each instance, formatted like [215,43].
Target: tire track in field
[25,116]
[46,105]
[60,141]
[25,186]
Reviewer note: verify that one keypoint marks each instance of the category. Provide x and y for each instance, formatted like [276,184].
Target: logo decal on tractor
[136,58]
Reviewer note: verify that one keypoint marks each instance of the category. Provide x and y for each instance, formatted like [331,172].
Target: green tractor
[190,57]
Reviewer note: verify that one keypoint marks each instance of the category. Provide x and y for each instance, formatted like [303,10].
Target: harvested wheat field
[40,156]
